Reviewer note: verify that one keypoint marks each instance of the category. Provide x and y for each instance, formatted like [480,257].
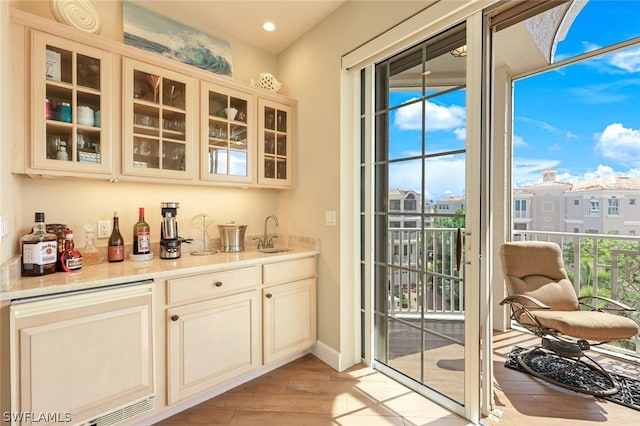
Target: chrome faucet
[267,242]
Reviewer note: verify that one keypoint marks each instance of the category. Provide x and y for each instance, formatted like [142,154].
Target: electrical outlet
[104,229]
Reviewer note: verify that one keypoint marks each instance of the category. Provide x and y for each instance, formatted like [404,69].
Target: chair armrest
[513,300]
[617,306]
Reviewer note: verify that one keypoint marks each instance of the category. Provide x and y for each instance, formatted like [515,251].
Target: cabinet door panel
[159,108]
[211,342]
[85,361]
[275,144]
[227,129]
[71,116]
[289,315]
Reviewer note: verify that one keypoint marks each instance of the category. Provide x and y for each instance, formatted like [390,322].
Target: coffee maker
[169,239]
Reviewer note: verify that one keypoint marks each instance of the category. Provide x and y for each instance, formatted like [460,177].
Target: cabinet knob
[175,317]
[269,295]
[218,283]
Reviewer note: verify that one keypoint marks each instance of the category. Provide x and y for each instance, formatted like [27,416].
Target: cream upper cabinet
[158,113]
[275,144]
[227,132]
[71,109]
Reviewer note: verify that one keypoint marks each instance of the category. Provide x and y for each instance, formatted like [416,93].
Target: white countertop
[105,273]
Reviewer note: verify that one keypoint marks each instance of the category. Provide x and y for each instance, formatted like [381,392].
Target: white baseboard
[329,356]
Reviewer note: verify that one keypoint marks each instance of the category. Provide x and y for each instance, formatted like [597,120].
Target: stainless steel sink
[274,250]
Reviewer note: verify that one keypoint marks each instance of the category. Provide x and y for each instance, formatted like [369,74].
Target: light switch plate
[330,218]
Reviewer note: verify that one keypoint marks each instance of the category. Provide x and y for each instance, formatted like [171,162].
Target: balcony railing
[424,276]
[424,279]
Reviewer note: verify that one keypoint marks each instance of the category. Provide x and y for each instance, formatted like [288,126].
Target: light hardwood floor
[309,392]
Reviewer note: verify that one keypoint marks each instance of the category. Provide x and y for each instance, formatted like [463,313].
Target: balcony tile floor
[526,400]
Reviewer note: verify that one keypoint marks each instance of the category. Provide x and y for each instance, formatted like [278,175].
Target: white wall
[311,68]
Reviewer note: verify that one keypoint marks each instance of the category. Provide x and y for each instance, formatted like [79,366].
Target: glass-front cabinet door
[275,144]
[158,120]
[228,140]
[71,107]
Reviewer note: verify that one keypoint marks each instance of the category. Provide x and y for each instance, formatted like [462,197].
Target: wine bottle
[141,235]
[39,250]
[115,252]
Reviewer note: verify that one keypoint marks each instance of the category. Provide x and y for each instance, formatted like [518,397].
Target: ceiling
[242,19]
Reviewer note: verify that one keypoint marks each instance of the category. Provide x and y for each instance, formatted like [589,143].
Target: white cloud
[628,60]
[571,135]
[445,177]
[620,144]
[519,141]
[437,117]
[527,171]
[461,133]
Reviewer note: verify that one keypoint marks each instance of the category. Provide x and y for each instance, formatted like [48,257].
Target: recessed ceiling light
[269,26]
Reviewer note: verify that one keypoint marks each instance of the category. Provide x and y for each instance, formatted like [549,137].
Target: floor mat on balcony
[629,394]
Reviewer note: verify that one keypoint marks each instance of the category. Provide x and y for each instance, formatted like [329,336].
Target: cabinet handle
[218,283]
[269,295]
[175,317]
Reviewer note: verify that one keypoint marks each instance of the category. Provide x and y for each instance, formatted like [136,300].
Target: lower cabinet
[289,307]
[212,341]
[289,318]
[81,356]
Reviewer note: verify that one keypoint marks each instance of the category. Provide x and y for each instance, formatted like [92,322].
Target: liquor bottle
[115,251]
[39,250]
[141,235]
[71,259]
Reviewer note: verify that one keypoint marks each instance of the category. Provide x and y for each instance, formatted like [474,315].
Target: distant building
[606,205]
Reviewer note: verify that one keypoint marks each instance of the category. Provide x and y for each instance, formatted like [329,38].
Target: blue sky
[583,120]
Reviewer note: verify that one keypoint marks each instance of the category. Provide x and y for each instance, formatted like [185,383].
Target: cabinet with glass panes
[72,109]
[228,145]
[158,120]
[275,144]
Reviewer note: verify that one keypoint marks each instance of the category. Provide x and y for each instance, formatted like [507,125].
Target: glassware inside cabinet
[146,153]
[88,70]
[173,125]
[173,94]
[173,155]
[282,121]
[269,118]
[146,86]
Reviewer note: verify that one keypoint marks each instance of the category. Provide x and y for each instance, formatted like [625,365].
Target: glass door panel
[419,202]
[158,120]
[228,144]
[68,84]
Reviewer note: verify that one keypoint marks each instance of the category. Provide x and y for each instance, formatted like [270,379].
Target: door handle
[458,249]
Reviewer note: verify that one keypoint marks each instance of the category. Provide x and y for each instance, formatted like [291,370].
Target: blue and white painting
[149,31]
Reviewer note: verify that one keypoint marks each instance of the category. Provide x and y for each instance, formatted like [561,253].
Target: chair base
[569,361]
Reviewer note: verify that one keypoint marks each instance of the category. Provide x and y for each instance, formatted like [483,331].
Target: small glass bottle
[39,250]
[71,259]
[62,153]
[90,253]
[115,251]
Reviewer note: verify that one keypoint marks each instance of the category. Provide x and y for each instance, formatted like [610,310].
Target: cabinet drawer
[290,270]
[214,284]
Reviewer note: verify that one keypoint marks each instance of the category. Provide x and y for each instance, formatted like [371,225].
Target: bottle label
[144,242]
[41,253]
[73,263]
[116,253]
